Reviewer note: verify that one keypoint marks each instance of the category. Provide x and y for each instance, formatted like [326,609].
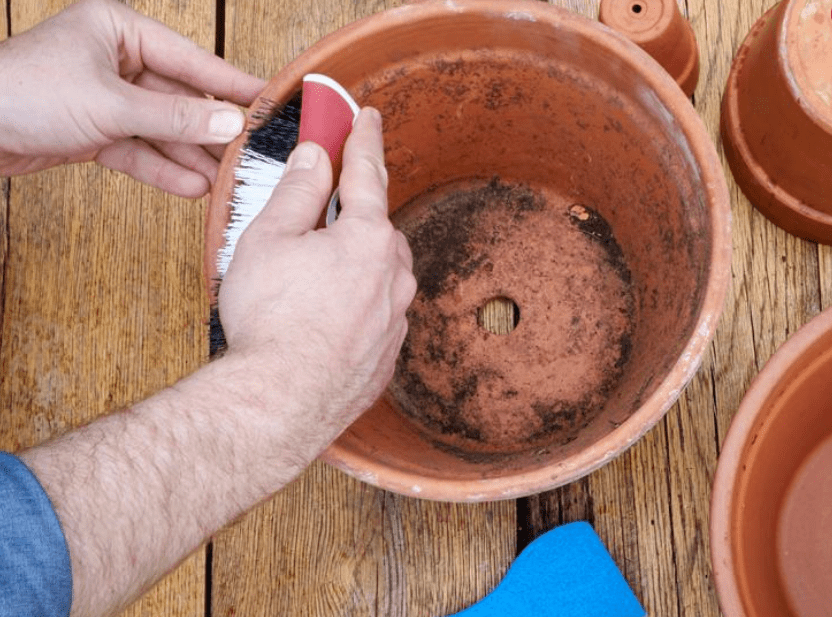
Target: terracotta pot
[777,117]
[658,27]
[537,156]
[772,497]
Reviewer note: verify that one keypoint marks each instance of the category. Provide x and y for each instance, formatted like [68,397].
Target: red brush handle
[327,114]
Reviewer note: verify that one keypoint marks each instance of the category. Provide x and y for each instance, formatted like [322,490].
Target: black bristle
[216,336]
[276,137]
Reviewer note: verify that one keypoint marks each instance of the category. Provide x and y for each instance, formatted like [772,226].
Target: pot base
[474,392]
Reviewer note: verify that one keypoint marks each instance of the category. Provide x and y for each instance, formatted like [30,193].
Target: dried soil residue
[478,393]
[444,241]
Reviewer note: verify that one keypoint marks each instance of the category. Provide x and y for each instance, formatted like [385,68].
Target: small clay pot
[777,117]
[658,27]
[538,157]
[771,507]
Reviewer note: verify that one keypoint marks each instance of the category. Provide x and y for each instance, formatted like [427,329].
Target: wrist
[267,426]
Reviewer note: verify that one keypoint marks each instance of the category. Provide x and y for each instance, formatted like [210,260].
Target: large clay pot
[777,117]
[536,156]
[771,509]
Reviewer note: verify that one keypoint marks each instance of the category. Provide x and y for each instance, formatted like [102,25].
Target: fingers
[140,161]
[363,183]
[215,150]
[190,157]
[176,117]
[153,45]
[296,204]
[203,160]
[149,80]
[363,190]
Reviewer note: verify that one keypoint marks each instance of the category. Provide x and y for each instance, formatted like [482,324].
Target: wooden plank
[329,544]
[442,557]
[692,424]
[587,8]
[104,300]
[720,27]
[313,550]
[825,275]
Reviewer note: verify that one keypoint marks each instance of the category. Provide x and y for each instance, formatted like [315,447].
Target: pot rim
[703,152]
[729,470]
[806,103]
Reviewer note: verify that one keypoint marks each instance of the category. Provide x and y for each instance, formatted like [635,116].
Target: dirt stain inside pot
[477,393]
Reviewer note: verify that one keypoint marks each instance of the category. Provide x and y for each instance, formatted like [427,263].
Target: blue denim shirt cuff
[35,570]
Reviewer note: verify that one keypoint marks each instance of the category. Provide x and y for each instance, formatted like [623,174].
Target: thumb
[177,118]
[299,198]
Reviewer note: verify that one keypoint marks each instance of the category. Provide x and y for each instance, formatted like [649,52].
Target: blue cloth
[566,572]
[35,572]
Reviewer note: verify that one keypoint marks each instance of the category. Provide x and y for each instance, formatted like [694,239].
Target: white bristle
[255,178]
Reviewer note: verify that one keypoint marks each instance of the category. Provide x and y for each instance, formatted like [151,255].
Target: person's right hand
[321,313]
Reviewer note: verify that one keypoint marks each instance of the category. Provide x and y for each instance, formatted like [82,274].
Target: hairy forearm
[139,490]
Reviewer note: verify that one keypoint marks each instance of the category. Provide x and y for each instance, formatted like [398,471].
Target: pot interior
[782,498]
[529,162]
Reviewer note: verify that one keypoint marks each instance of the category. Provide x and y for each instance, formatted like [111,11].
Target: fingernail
[374,115]
[304,156]
[226,124]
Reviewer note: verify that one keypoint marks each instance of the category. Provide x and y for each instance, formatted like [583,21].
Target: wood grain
[103,297]
[329,545]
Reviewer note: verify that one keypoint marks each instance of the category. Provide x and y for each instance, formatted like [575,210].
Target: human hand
[101,82]
[320,313]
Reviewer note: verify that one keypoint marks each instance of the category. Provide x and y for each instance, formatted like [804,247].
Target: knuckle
[376,167]
[409,288]
[404,246]
[92,5]
[384,238]
[130,160]
[182,117]
[298,191]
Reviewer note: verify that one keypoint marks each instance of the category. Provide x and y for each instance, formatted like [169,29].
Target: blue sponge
[566,572]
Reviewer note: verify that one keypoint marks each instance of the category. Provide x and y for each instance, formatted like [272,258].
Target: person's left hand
[101,82]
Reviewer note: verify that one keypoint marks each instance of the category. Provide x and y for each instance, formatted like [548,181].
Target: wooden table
[103,304]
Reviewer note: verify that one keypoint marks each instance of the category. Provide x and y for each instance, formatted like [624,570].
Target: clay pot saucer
[537,156]
[771,507]
[777,117]
[658,27]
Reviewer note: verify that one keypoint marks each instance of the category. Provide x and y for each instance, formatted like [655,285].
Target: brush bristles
[256,176]
[260,166]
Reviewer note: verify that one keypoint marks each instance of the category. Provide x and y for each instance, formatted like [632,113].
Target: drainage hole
[637,8]
[499,315]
